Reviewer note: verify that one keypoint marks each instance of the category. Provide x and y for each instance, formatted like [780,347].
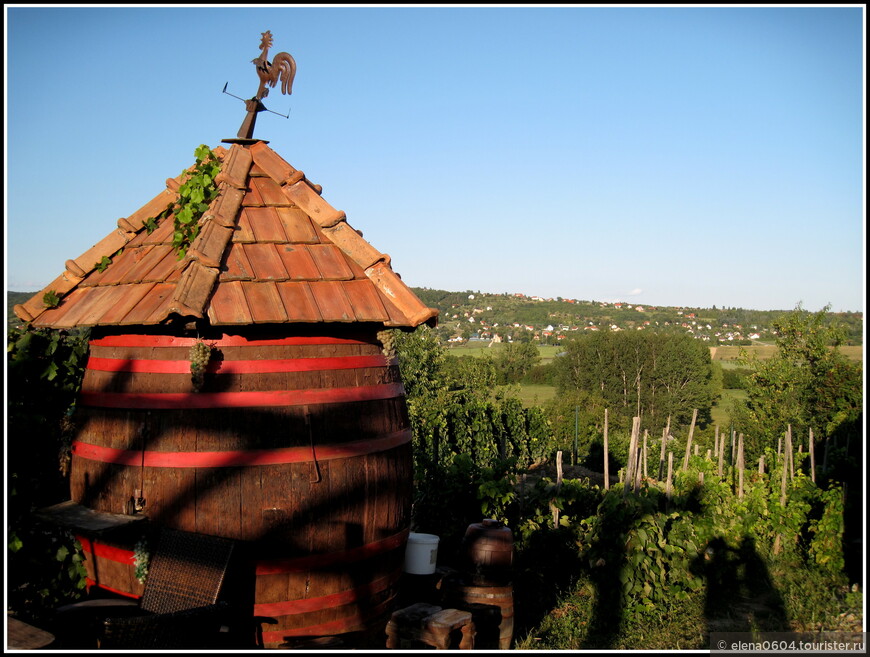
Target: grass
[536,394]
[721,410]
[807,600]
[548,352]
[728,355]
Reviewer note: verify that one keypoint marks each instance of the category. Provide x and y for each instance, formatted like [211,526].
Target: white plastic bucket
[421,554]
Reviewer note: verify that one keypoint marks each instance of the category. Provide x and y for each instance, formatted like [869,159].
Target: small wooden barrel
[296,445]
[487,552]
[500,600]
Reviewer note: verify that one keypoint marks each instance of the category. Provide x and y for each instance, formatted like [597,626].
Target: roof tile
[298,262]
[225,208]
[270,192]
[299,302]
[163,233]
[367,304]
[297,225]
[264,302]
[151,209]
[332,301]
[265,224]
[228,305]
[157,299]
[330,261]
[252,194]
[193,290]
[130,297]
[244,232]
[163,268]
[71,307]
[269,249]
[266,262]
[211,242]
[235,167]
[236,265]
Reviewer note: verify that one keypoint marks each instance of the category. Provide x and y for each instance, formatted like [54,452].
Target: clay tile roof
[270,250]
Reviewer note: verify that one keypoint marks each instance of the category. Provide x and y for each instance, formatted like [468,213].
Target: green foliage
[806,384]
[104,262]
[51,299]
[646,374]
[44,370]
[735,378]
[515,360]
[195,194]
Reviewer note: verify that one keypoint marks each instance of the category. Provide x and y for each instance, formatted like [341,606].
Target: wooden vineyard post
[721,453]
[761,464]
[645,435]
[782,486]
[668,486]
[638,467]
[553,508]
[740,467]
[733,446]
[812,450]
[606,456]
[631,462]
[689,439]
[716,442]
[665,433]
[789,453]
[777,543]
[708,455]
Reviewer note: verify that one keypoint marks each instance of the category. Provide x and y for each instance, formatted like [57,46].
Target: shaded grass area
[797,600]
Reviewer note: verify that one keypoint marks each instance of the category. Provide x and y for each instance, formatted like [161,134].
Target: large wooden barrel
[110,565]
[297,446]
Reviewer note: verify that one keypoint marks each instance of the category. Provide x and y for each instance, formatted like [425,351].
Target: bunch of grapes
[200,353]
[141,559]
[388,340]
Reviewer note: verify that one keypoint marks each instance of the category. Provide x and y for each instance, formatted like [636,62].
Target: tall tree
[514,360]
[640,374]
[807,383]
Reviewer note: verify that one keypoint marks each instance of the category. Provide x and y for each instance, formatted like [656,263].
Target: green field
[548,352]
[728,355]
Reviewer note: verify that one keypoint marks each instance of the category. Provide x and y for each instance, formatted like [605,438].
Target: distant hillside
[13,299]
[481,315]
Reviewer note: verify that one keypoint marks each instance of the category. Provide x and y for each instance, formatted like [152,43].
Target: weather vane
[282,67]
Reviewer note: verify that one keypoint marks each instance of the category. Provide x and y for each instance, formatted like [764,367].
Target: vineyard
[681,530]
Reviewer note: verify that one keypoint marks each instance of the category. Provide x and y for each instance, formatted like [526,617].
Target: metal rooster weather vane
[282,67]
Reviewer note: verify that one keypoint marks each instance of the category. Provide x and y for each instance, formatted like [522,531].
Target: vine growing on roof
[195,194]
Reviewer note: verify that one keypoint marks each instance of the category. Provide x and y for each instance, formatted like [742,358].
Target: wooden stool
[431,625]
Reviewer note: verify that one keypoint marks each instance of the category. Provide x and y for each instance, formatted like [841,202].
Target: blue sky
[680,156]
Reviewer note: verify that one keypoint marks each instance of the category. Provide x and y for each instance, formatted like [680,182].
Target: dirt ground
[548,469]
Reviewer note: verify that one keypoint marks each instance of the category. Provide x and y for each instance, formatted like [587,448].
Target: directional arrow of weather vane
[283,68]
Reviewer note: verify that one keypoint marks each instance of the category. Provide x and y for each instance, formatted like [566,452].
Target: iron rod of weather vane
[283,67]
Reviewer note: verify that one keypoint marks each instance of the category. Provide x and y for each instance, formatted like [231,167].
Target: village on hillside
[469,317]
